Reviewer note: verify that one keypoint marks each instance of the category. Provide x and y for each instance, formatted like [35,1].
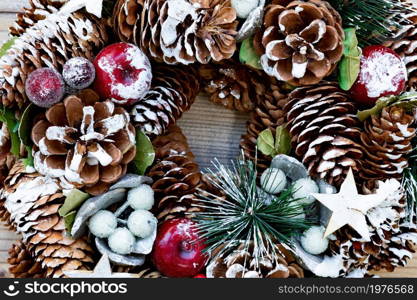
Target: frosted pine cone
[324,128]
[175,174]
[127,19]
[181,31]
[301,41]
[173,91]
[240,263]
[386,140]
[84,142]
[48,43]
[32,202]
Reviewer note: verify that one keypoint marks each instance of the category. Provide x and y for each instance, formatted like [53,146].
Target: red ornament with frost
[45,87]
[123,73]
[382,73]
[178,250]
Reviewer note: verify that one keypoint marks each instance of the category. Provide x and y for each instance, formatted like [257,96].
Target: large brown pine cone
[22,264]
[36,11]
[173,91]
[324,128]
[300,41]
[175,174]
[33,201]
[240,263]
[84,142]
[406,47]
[386,140]
[233,85]
[48,43]
[393,238]
[269,113]
[182,31]
[127,19]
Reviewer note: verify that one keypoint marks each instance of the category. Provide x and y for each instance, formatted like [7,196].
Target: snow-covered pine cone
[32,202]
[188,31]
[48,43]
[325,130]
[240,263]
[173,91]
[84,142]
[300,41]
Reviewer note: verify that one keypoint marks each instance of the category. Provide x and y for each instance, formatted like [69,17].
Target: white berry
[102,224]
[244,7]
[273,181]
[303,188]
[313,240]
[141,197]
[141,223]
[121,241]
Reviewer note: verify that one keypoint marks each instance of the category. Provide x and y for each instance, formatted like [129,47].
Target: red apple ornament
[382,73]
[178,251]
[123,73]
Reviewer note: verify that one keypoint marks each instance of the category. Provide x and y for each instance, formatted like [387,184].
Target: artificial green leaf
[73,201]
[266,143]
[145,153]
[26,122]
[282,141]
[28,161]
[248,55]
[7,116]
[349,66]
[6,46]
[69,220]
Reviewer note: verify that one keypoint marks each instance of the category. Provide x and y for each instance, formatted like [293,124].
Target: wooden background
[212,132]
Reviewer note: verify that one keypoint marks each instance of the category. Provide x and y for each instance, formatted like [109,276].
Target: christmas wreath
[100,181]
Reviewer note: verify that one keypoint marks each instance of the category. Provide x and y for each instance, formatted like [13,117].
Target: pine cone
[393,237]
[173,91]
[127,19]
[175,174]
[301,41]
[181,31]
[37,11]
[386,141]
[323,124]
[48,43]
[269,113]
[33,202]
[22,264]
[405,46]
[84,142]
[240,263]
[233,85]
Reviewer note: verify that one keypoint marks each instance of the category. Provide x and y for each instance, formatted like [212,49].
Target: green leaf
[349,66]
[282,140]
[266,143]
[69,220]
[145,153]
[73,201]
[248,55]
[7,116]
[28,161]
[6,46]
[26,122]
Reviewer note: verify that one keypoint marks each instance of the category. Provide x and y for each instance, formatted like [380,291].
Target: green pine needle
[376,21]
[243,215]
[409,182]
